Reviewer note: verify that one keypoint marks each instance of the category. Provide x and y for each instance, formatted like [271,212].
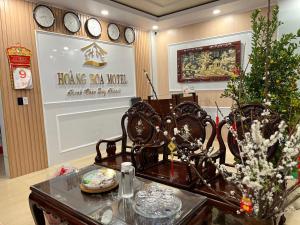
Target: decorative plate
[72,22]
[113,31]
[99,179]
[43,16]
[93,27]
[129,35]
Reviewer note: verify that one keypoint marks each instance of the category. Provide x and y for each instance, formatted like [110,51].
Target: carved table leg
[36,212]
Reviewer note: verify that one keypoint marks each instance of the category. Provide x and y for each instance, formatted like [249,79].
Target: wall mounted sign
[74,68]
[43,16]
[94,55]
[208,63]
[19,59]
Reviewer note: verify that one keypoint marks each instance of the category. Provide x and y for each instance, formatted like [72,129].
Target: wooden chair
[249,113]
[192,116]
[136,127]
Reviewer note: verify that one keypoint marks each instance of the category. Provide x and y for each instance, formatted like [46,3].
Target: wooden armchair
[193,119]
[135,127]
[249,113]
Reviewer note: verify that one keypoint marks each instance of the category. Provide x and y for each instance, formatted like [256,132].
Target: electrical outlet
[25,100]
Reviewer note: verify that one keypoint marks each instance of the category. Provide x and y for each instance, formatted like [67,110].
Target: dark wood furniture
[61,196]
[243,119]
[179,98]
[162,106]
[192,120]
[135,127]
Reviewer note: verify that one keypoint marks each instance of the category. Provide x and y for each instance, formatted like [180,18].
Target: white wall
[74,124]
[289,14]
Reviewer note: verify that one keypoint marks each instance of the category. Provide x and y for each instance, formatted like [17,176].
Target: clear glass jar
[126,188]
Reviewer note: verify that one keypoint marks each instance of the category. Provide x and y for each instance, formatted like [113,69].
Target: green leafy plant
[274,70]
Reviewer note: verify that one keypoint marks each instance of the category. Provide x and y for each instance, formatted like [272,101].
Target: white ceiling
[129,16]
[162,7]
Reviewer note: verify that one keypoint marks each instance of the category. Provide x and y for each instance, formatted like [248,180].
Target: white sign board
[66,74]
[86,88]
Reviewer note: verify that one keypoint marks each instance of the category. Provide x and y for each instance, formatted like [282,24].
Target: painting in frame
[208,63]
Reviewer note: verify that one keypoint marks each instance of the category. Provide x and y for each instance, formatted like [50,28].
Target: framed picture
[208,63]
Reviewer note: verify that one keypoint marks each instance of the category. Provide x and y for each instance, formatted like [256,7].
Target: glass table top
[108,208]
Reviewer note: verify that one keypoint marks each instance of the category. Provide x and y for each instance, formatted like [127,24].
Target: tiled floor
[14,207]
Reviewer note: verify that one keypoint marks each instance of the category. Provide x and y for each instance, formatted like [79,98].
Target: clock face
[93,27]
[72,22]
[129,35]
[43,16]
[113,31]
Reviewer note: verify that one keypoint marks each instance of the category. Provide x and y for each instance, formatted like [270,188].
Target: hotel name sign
[99,84]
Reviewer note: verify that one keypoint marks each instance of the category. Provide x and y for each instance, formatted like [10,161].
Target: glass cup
[126,188]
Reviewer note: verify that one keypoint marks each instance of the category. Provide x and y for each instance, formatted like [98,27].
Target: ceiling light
[216,11]
[154,27]
[66,48]
[104,12]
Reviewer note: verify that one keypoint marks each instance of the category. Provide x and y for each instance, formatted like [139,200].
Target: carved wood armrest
[110,147]
[141,156]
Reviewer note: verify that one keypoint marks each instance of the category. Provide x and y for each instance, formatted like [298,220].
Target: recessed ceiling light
[104,12]
[216,11]
[154,27]
[66,48]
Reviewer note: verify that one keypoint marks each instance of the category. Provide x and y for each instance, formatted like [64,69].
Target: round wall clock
[93,27]
[113,31]
[129,35]
[72,22]
[43,16]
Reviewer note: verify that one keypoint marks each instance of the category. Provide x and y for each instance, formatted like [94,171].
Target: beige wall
[24,125]
[222,25]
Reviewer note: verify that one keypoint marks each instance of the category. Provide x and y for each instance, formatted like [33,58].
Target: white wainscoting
[77,122]
[74,124]
[73,129]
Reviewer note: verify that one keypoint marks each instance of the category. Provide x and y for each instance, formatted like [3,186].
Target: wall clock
[129,35]
[93,27]
[113,31]
[43,16]
[72,22]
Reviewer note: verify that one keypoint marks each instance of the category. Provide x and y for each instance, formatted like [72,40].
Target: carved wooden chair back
[191,120]
[138,124]
[242,120]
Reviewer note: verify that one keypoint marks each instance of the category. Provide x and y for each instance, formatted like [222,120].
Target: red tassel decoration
[172,168]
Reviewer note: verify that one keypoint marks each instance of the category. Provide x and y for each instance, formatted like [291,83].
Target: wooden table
[61,196]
